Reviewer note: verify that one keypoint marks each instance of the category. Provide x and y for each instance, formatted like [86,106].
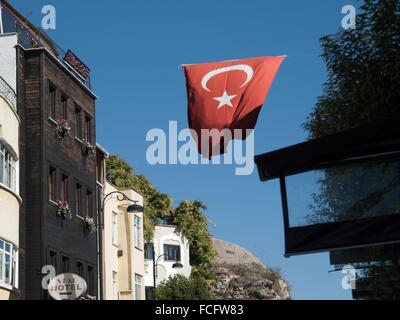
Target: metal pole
[100,253]
[154,272]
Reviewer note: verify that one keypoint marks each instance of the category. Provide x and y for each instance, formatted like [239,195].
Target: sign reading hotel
[67,286]
[76,64]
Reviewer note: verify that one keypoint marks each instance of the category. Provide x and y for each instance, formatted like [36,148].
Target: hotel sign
[77,65]
[67,286]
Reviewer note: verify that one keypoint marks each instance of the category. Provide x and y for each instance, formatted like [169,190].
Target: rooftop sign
[77,65]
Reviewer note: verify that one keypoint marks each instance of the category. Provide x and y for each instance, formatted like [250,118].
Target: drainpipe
[100,253]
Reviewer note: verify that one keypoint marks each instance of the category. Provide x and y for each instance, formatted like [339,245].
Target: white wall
[110,262]
[164,234]
[137,254]
[132,260]
[9,136]
[8,59]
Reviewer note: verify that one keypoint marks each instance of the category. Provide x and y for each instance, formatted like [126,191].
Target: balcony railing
[8,93]
[34,38]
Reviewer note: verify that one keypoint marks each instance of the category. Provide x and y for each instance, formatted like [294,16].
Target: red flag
[227,95]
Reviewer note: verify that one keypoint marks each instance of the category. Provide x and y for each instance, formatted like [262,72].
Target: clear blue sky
[134,49]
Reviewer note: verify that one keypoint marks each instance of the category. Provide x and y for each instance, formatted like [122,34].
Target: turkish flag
[227,95]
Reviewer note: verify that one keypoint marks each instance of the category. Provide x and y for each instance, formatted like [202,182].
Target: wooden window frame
[64,194]
[52,182]
[52,104]
[78,122]
[88,128]
[51,250]
[64,100]
[65,256]
[83,275]
[91,279]
[78,206]
[88,212]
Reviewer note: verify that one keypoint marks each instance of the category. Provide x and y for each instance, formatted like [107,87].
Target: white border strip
[1,19]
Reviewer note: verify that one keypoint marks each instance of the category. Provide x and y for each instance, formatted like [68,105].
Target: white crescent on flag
[241,67]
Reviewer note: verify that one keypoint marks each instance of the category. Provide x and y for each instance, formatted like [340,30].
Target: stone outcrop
[242,276]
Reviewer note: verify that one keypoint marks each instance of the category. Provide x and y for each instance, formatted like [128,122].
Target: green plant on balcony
[88,149]
[63,210]
[62,129]
[90,225]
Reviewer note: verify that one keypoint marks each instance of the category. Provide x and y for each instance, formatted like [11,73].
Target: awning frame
[379,140]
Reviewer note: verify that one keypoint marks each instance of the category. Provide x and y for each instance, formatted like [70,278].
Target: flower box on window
[63,129]
[88,149]
[64,211]
[90,225]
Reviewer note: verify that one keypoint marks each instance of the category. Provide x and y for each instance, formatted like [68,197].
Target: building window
[79,269]
[78,122]
[52,101]
[64,188]
[167,221]
[78,199]
[8,264]
[65,264]
[89,204]
[172,252]
[138,287]
[149,293]
[149,251]
[115,228]
[88,128]
[138,232]
[91,280]
[52,183]
[8,169]
[115,287]
[53,259]
[64,106]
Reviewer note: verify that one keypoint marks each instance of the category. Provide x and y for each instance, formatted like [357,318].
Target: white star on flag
[225,100]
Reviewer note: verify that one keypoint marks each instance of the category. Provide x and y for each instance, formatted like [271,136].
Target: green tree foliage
[194,226]
[156,205]
[363,85]
[363,71]
[182,288]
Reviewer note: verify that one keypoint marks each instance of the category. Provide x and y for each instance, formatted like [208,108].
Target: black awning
[340,191]
[377,137]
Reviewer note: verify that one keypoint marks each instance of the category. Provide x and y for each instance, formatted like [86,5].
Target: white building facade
[123,247]
[170,249]
[10,200]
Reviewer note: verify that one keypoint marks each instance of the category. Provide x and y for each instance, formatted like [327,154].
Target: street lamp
[176,265]
[135,208]
[120,197]
[132,208]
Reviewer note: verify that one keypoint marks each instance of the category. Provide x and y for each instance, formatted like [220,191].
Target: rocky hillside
[242,276]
